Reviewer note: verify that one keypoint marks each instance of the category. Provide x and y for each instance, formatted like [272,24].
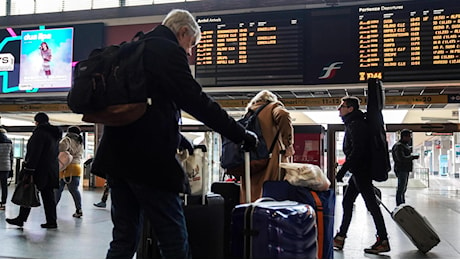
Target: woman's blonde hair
[262,96]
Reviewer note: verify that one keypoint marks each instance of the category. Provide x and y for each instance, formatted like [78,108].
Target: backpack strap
[138,36]
[272,146]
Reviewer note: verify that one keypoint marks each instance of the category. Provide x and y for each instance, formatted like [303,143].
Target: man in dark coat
[357,161]
[139,160]
[41,162]
[402,157]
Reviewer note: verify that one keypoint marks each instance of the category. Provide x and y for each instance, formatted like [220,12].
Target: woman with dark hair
[70,176]
[41,163]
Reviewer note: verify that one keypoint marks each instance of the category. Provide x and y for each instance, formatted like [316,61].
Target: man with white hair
[139,159]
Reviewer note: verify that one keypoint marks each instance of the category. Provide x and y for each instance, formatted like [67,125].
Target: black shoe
[77,214]
[15,221]
[49,225]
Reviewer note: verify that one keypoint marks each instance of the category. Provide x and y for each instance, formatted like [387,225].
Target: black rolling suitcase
[230,191]
[205,226]
[204,216]
[148,248]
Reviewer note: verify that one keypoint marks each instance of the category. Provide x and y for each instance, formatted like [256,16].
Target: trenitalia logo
[329,71]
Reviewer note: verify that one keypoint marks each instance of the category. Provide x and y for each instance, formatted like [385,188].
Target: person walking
[357,161]
[6,165]
[139,160]
[276,124]
[403,163]
[72,142]
[41,162]
[105,196]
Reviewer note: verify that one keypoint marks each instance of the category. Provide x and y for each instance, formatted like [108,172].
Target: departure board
[251,49]
[397,42]
[416,40]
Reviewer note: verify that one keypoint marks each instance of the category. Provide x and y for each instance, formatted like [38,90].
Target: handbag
[65,158]
[306,175]
[26,193]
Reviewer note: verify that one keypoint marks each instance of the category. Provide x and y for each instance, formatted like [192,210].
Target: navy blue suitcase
[283,190]
[274,229]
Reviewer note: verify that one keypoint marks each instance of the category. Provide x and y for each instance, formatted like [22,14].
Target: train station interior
[327,53]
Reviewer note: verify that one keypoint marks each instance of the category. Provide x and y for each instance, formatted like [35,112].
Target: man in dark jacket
[41,162]
[402,157]
[139,159]
[357,162]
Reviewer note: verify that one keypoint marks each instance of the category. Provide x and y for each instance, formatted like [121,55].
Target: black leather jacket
[145,151]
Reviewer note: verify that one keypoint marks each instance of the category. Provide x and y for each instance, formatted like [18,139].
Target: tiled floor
[88,237]
[440,204]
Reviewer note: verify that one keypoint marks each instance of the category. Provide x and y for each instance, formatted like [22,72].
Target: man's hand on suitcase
[250,141]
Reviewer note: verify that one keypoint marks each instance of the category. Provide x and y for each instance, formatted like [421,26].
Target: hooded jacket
[356,144]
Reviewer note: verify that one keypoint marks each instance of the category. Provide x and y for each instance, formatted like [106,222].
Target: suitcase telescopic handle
[247,176]
[379,201]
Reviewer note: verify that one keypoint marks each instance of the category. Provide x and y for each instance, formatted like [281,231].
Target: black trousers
[49,205]
[361,185]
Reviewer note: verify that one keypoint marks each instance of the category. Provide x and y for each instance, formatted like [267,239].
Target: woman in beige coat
[272,118]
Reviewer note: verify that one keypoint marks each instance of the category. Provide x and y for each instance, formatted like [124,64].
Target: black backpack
[232,157]
[109,87]
[380,157]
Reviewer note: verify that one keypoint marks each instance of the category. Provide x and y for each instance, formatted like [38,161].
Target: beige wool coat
[273,117]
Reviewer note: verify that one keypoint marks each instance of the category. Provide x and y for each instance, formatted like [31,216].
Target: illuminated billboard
[46,59]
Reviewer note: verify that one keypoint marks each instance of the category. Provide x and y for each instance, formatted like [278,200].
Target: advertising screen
[41,59]
[46,59]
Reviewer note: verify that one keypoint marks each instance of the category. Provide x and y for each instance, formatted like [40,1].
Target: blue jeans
[403,179]
[133,201]
[72,184]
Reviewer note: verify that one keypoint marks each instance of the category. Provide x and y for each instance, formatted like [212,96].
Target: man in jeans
[357,153]
[139,160]
[402,157]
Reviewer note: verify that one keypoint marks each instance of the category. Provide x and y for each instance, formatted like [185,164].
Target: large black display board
[397,42]
[251,49]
